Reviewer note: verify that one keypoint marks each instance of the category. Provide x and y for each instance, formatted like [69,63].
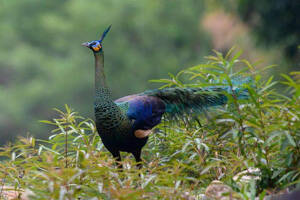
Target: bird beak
[85,44]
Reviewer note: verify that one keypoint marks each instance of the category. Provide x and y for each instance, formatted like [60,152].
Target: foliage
[40,52]
[274,22]
[180,161]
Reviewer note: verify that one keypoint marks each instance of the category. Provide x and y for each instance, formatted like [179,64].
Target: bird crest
[96,45]
[104,33]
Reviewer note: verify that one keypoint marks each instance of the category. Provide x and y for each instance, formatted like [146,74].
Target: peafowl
[125,124]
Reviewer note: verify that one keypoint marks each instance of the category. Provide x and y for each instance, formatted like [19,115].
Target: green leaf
[290,138]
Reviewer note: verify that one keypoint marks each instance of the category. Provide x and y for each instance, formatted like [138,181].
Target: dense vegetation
[181,159]
[40,52]
[41,57]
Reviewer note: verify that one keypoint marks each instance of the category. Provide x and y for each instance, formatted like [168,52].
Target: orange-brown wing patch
[142,133]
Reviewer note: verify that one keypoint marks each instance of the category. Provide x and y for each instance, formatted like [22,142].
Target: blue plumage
[145,111]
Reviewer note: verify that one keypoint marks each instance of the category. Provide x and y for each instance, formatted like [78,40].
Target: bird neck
[100,80]
[108,115]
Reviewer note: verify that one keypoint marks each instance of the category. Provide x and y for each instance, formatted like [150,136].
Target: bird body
[124,124]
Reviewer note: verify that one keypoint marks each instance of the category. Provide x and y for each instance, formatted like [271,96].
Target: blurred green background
[43,66]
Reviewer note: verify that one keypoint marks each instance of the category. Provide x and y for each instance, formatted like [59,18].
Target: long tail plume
[181,101]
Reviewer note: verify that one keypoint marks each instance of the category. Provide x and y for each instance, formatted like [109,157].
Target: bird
[125,124]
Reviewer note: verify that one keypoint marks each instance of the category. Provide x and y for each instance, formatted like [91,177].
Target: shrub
[260,134]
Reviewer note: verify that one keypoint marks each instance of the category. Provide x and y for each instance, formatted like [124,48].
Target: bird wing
[147,108]
[146,111]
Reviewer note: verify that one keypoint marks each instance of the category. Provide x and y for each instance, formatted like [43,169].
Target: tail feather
[185,101]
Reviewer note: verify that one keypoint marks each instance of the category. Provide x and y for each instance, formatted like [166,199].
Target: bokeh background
[43,66]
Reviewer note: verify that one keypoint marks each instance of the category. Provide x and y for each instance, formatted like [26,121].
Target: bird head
[96,45]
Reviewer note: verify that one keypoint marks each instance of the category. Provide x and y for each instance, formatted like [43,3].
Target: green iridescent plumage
[124,124]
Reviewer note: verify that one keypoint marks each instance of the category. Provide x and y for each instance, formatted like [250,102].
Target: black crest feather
[104,33]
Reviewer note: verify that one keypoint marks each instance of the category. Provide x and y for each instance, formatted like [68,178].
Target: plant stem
[66,149]
[2,184]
